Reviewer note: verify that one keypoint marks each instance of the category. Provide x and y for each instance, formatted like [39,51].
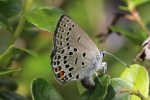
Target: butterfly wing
[73,51]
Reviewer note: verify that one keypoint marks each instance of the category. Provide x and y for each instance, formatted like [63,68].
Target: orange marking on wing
[59,68]
[61,74]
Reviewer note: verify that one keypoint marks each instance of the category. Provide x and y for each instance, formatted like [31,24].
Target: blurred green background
[94,17]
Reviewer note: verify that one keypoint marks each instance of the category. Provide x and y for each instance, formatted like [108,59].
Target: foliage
[133,83]
[46,90]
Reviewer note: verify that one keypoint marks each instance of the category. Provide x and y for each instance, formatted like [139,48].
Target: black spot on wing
[76,60]
[78,39]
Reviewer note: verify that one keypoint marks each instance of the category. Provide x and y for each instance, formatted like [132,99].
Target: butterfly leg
[88,82]
[98,79]
[104,67]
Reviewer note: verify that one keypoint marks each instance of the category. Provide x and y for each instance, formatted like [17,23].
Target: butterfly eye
[103,54]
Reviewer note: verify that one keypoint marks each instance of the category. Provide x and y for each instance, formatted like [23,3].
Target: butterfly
[74,55]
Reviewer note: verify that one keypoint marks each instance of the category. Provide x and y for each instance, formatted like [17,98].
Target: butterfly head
[102,53]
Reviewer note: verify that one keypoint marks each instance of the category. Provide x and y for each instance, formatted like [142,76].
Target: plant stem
[17,31]
[135,92]
[137,17]
[27,6]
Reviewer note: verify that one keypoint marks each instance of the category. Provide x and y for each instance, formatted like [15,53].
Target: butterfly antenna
[117,59]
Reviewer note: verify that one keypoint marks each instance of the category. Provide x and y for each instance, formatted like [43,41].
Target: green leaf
[4,22]
[100,90]
[19,50]
[136,38]
[114,87]
[10,8]
[131,4]
[6,95]
[42,90]
[8,84]
[4,72]
[137,75]
[14,51]
[6,54]
[124,8]
[137,2]
[44,18]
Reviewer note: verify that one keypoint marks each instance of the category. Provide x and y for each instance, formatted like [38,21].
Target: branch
[27,6]
[135,16]
[135,92]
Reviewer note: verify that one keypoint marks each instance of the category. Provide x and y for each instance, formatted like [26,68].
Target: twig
[137,18]
[27,6]
[135,92]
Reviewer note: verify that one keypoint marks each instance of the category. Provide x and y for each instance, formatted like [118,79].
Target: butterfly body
[75,56]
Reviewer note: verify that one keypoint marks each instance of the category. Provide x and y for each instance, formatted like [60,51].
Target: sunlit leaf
[137,2]
[116,85]
[44,18]
[124,8]
[138,76]
[19,50]
[12,50]
[6,54]
[42,90]
[10,8]
[131,4]
[136,38]
[4,72]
